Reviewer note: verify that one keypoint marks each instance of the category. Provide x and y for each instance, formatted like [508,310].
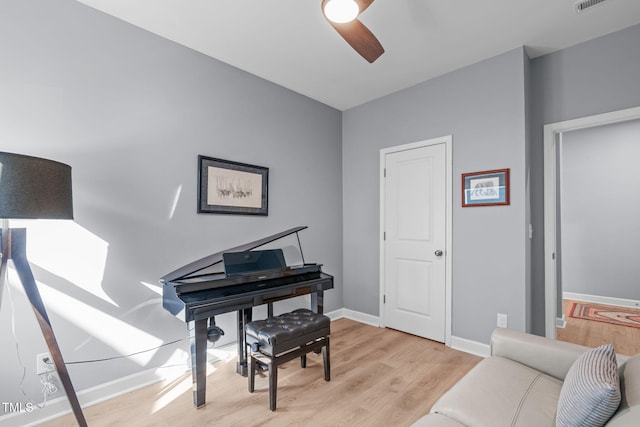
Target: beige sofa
[520,383]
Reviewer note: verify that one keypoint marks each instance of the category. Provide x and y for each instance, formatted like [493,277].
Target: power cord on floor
[124,356]
[15,339]
[47,379]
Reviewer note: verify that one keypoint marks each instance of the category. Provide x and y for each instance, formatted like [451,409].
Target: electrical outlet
[44,364]
[502,320]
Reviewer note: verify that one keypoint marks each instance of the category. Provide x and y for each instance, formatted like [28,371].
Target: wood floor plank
[379,377]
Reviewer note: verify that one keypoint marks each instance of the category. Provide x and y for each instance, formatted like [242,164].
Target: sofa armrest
[552,357]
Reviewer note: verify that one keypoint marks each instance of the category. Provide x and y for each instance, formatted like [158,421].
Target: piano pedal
[261,366]
[214,333]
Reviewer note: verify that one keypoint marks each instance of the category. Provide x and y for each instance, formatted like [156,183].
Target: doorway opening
[554,134]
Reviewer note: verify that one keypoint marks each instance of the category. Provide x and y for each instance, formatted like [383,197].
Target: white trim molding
[457,343]
[59,406]
[365,318]
[552,136]
[469,346]
[597,299]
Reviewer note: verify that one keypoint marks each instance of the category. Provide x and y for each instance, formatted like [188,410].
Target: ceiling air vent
[582,5]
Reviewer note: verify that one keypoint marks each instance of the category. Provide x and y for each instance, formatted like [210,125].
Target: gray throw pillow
[590,394]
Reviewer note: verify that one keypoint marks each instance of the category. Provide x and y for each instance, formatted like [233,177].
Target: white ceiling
[289,43]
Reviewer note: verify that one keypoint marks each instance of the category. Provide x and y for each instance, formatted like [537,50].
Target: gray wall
[600,210]
[483,107]
[130,112]
[595,77]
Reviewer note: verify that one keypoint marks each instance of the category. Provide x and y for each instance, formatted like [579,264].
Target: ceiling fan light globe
[341,11]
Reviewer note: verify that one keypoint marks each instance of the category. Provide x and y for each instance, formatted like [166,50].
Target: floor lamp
[34,188]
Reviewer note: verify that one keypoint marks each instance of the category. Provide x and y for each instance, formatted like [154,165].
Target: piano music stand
[32,188]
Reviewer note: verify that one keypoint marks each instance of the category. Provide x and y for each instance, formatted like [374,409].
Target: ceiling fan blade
[357,35]
[363,4]
[360,38]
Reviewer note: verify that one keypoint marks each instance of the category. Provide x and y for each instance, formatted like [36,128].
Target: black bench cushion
[288,327]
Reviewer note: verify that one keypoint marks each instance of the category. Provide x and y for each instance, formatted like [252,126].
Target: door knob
[438,252]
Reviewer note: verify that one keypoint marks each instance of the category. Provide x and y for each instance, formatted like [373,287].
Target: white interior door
[415,240]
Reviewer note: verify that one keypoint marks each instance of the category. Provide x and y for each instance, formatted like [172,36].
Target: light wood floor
[379,377]
[625,340]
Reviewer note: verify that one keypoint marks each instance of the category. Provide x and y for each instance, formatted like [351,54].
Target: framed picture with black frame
[486,188]
[227,187]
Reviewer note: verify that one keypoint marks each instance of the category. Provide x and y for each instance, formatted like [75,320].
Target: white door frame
[552,134]
[448,141]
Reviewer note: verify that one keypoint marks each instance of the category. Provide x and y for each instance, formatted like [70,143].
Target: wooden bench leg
[326,361]
[252,372]
[273,384]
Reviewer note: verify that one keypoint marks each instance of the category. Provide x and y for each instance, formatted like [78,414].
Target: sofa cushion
[628,413]
[591,391]
[551,357]
[501,392]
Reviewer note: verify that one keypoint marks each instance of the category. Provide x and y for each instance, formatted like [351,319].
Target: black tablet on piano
[238,263]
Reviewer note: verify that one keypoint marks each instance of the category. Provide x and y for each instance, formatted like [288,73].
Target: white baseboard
[336,314]
[469,346]
[367,319]
[596,299]
[457,343]
[60,406]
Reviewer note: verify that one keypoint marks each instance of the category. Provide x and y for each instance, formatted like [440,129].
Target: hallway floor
[625,339]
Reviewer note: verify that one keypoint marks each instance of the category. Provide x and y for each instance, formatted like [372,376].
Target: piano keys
[197,292]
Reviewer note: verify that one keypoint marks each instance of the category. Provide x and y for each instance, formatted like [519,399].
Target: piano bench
[279,339]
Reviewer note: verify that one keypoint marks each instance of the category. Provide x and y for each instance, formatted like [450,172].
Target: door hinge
[385,172]
[384,235]
[384,299]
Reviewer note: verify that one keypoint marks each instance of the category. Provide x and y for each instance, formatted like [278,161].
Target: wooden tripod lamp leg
[17,246]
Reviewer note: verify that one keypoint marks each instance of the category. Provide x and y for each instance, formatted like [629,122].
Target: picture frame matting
[485,188]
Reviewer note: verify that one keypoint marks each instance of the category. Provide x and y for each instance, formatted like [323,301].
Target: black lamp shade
[32,188]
